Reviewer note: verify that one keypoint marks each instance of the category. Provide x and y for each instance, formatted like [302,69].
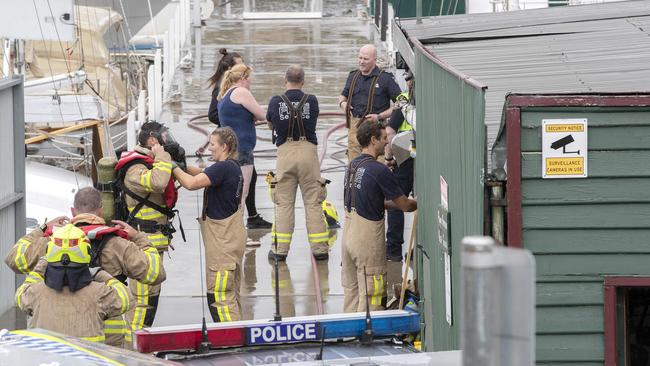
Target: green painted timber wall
[581,230]
[450,143]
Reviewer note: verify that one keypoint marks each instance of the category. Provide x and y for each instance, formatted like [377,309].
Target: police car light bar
[266,331]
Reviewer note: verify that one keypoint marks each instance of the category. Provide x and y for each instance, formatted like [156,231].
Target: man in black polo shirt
[370,189]
[368,93]
[293,118]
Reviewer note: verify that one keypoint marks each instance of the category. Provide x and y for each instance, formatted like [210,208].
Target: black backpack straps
[350,200]
[142,201]
[348,105]
[301,122]
[291,112]
[371,97]
[96,247]
[295,115]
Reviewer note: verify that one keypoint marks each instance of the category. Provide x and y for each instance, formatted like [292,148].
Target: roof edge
[452,70]
[631,99]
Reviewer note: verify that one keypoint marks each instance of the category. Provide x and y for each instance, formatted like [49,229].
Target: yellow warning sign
[565,166]
[565,128]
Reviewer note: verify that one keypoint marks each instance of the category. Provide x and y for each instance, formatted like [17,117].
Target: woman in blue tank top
[239,110]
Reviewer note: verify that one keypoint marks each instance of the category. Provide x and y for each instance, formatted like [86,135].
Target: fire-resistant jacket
[143,181]
[79,314]
[136,259]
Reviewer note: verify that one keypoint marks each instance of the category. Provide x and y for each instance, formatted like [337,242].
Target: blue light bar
[289,330]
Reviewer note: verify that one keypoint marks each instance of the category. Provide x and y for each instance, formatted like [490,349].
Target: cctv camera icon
[562,143]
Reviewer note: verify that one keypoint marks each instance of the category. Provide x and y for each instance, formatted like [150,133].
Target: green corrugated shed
[450,130]
[581,230]
[407,8]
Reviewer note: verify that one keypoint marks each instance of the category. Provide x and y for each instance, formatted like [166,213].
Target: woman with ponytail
[222,224]
[227,61]
[239,110]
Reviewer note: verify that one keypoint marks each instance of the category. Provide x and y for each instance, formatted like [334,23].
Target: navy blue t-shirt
[278,114]
[224,195]
[373,184]
[387,90]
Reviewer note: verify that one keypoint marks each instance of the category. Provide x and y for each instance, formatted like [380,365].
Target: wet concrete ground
[327,50]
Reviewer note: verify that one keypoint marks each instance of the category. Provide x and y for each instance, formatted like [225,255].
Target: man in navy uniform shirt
[368,93]
[293,118]
[370,188]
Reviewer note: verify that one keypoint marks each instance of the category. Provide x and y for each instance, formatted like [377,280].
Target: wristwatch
[43,227]
[389,159]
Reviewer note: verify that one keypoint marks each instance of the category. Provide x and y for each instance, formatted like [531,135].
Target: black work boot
[281,257]
[257,222]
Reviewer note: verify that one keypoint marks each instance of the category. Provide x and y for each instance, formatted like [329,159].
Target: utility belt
[150,227]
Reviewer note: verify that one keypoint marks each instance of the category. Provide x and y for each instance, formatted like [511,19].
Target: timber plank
[620,215]
[569,348]
[593,264]
[598,138]
[593,241]
[602,190]
[596,117]
[569,319]
[601,164]
[569,293]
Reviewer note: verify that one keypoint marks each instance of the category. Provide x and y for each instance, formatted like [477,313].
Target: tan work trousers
[354,148]
[363,247]
[297,166]
[143,313]
[225,241]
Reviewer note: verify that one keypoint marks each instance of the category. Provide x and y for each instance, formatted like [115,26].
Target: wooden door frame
[610,286]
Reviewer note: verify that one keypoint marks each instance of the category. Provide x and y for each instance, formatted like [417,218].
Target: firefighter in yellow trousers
[370,189]
[222,223]
[148,196]
[293,117]
[120,257]
[69,298]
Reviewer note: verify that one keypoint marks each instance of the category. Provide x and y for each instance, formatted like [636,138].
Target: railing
[160,74]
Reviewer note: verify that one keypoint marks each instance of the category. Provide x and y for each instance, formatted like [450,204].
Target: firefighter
[367,93]
[404,173]
[147,200]
[121,258]
[69,298]
[222,223]
[370,188]
[293,117]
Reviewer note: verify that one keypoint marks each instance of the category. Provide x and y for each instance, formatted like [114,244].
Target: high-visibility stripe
[378,289]
[19,293]
[21,260]
[121,292]
[219,313]
[318,237]
[226,312]
[283,235]
[147,213]
[164,166]
[33,277]
[142,295]
[217,286]
[114,326]
[100,338]
[158,240]
[66,343]
[154,265]
[127,335]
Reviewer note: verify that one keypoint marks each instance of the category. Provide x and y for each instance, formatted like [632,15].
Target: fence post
[167,48]
[151,92]
[142,109]
[158,85]
[130,131]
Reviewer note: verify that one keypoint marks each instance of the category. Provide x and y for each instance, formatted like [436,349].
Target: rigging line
[81,40]
[56,29]
[153,24]
[45,45]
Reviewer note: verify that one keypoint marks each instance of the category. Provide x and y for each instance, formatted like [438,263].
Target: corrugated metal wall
[450,143]
[581,230]
[12,181]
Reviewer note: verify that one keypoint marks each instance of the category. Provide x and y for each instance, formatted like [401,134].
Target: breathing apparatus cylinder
[106,175]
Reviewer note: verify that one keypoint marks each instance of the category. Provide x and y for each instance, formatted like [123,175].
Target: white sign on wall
[564,148]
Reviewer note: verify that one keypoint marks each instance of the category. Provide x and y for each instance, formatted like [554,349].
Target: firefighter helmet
[68,244]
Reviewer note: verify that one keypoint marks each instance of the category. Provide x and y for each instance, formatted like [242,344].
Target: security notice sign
[564,148]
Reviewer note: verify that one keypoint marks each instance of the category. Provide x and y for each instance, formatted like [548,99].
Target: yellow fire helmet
[330,214]
[68,244]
